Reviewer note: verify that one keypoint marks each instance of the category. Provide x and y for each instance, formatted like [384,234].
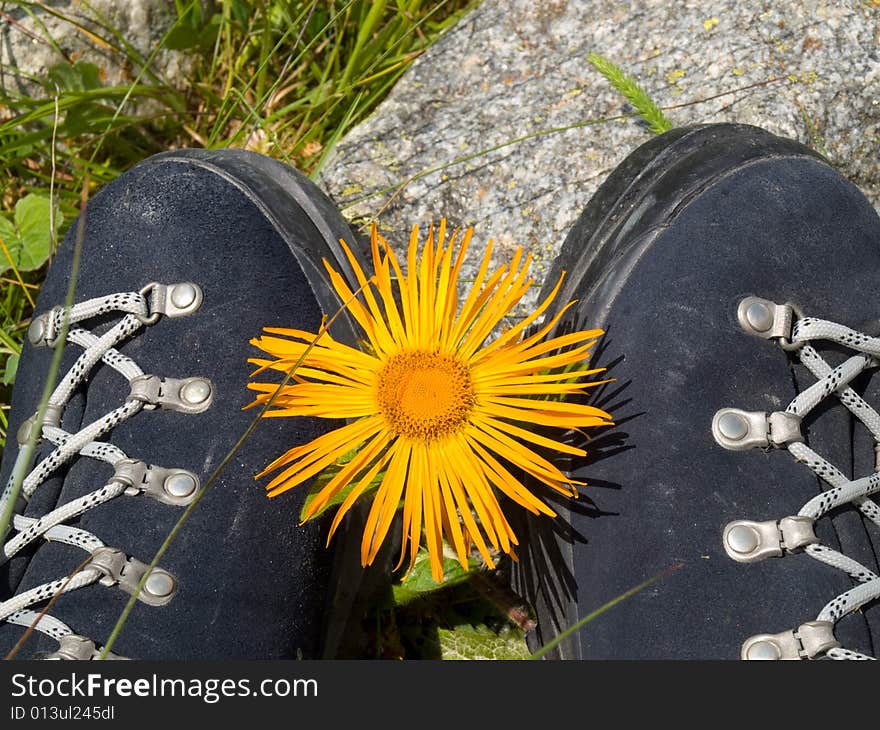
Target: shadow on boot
[732,271]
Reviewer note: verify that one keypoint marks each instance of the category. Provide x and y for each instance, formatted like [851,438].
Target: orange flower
[437,410]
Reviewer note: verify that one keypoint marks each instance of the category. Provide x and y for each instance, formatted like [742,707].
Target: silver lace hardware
[807,641]
[186,395]
[746,541]
[172,300]
[41,331]
[36,331]
[177,487]
[78,648]
[739,430]
[749,542]
[52,417]
[107,566]
[769,320]
[126,572]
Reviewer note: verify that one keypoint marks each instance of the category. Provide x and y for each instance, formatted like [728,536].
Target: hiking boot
[184,258]
[732,271]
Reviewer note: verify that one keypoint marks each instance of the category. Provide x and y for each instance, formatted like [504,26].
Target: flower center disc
[425,395]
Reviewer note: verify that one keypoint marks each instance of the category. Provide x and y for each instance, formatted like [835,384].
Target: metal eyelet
[74,647]
[769,320]
[749,542]
[186,395]
[118,569]
[738,430]
[171,300]
[807,641]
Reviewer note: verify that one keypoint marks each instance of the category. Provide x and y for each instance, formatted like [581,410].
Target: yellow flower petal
[435,402]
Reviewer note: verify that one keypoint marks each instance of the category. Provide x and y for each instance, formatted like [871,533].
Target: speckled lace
[840,491]
[107,566]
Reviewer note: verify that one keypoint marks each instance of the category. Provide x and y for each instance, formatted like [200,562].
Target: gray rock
[27,53]
[504,125]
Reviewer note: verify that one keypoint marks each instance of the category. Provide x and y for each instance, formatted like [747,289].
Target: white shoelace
[108,566]
[747,541]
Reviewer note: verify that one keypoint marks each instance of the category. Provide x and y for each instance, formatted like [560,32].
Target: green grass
[284,77]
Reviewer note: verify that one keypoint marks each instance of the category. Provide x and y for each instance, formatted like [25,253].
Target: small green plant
[26,236]
[633,93]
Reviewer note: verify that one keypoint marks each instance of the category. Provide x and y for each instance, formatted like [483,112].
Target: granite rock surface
[33,39]
[504,125]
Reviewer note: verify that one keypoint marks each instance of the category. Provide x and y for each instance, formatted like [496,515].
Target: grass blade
[574,628]
[633,93]
[27,450]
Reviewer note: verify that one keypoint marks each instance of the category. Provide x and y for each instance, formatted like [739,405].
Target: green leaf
[81,116]
[419,581]
[633,93]
[241,11]
[194,31]
[84,118]
[9,370]
[323,479]
[320,19]
[189,12]
[9,236]
[32,219]
[90,75]
[27,235]
[79,76]
[481,642]
[182,37]
[208,34]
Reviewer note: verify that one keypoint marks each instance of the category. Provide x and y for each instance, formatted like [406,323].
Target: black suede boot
[707,257]
[202,249]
